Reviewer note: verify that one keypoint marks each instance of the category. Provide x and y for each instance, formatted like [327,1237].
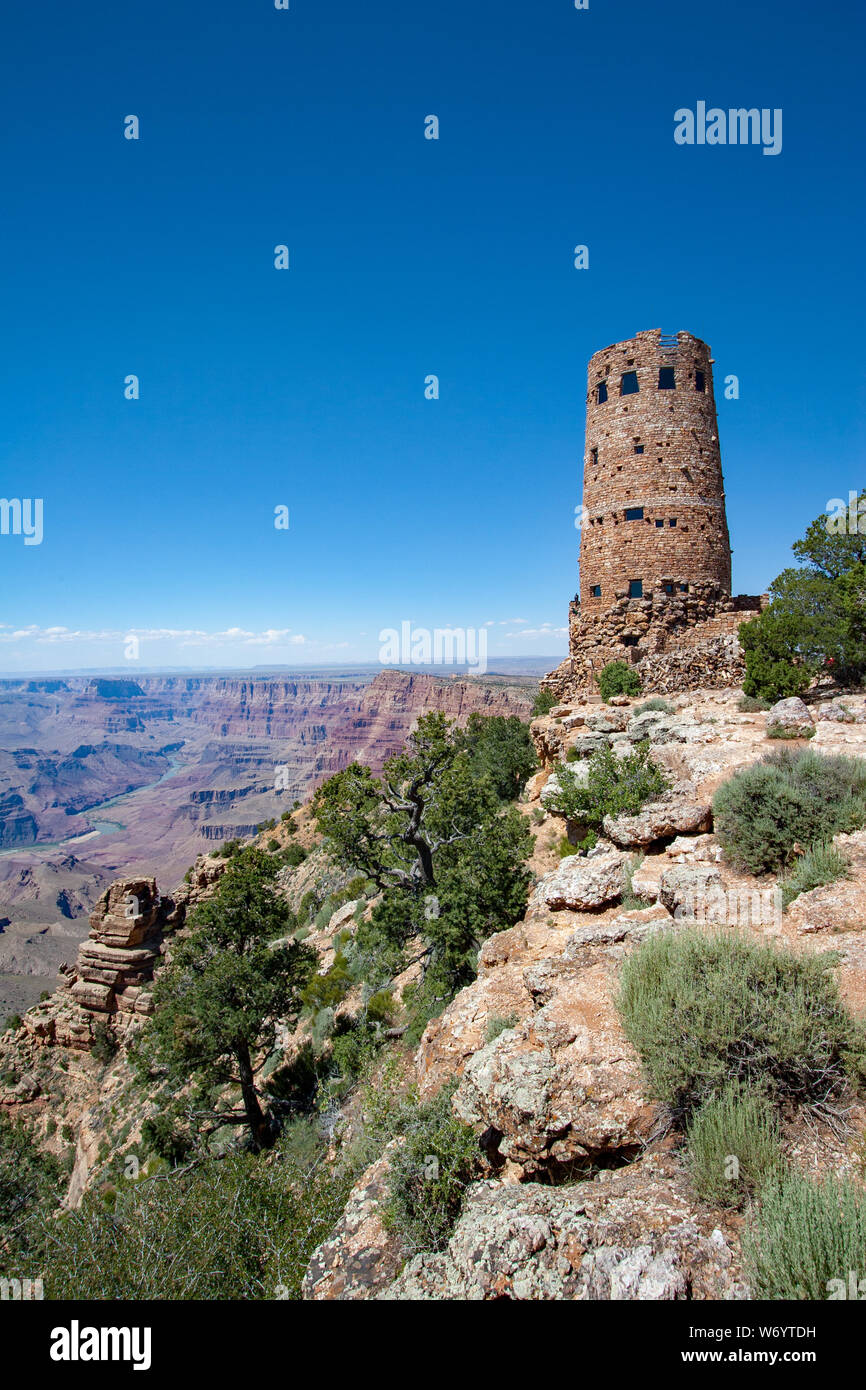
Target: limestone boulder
[833,710]
[679,812]
[791,714]
[581,883]
[636,1234]
[684,888]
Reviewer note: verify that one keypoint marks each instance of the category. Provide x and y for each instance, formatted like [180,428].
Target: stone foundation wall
[634,630]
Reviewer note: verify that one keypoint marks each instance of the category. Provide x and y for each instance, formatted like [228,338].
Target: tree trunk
[260,1130]
[425,857]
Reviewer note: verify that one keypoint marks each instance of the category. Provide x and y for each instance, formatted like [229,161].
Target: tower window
[667,380]
[629,640]
[700,381]
[601,392]
[593,454]
[672,521]
[595,590]
[668,588]
[684,588]
[659,523]
[638,448]
[628,385]
[635,588]
[634,513]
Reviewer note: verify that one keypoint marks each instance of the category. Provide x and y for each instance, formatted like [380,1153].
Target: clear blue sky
[408,257]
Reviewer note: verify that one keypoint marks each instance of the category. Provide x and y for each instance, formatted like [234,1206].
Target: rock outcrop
[110,982]
[633,1234]
[582,884]
[679,812]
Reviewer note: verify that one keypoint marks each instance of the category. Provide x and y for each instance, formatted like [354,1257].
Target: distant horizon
[495,667]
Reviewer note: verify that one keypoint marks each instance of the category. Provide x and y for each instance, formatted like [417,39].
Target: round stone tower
[653,522]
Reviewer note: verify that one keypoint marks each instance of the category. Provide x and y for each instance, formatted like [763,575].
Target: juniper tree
[229,982]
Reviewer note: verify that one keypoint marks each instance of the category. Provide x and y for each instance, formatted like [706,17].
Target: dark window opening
[635,588]
[659,523]
[672,521]
[629,640]
[593,454]
[638,448]
[668,588]
[634,513]
[700,381]
[667,379]
[601,392]
[628,385]
[595,590]
[684,588]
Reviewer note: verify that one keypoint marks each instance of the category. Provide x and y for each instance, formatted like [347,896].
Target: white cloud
[184,637]
[545,631]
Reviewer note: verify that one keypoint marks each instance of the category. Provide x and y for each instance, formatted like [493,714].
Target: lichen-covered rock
[679,812]
[564,1083]
[632,1234]
[684,888]
[362,1255]
[581,883]
[791,714]
[833,710]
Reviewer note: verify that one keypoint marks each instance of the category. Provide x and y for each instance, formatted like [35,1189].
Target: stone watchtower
[653,496]
[655,557]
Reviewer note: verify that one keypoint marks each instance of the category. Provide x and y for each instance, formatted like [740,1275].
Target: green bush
[752,704]
[13,1022]
[381,1006]
[104,1046]
[734,1145]
[429,1175]
[614,786]
[804,1238]
[328,990]
[543,703]
[501,749]
[773,669]
[293,855]
[704,1009]
[229,848]
[821,864]
[30,1188]
[171,1239]
[618,678]
[779,731]
[162,1135]
[499,1023]
[656,703]
[791,798]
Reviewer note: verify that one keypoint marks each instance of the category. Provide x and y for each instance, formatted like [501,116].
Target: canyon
[101,775]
